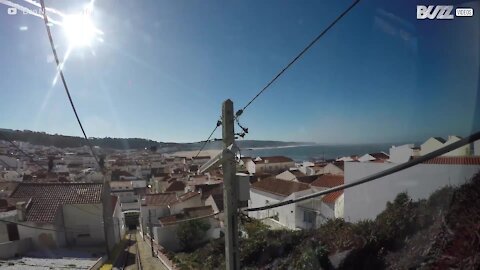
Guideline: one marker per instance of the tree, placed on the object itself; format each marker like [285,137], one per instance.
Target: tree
[192,233]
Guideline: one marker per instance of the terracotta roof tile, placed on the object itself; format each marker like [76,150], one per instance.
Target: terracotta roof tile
[279,187]
[332,197]
[307,179]
[191,212]
[328,181]
[188,196]
[175,186]
[47,198]
[160,199]
[459,160]
[379,155]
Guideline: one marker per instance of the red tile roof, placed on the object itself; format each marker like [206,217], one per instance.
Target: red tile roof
[459,160]
[175,186]
[47,198]
[307,179]
[332,197]
[160,199]
[273,159]
[188,196]
[279,187]
[191,212]
[328,181]
[379,155]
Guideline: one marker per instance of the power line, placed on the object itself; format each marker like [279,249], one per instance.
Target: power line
[471,138]
[239,112]
[191,219]
[23,152]
[60,71]
[219,123]
[65,229]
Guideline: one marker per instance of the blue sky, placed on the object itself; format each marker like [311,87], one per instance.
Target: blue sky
[165,67]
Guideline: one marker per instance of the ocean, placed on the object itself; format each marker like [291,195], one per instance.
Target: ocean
[316,152]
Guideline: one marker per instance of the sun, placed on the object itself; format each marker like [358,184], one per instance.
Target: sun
[79,30]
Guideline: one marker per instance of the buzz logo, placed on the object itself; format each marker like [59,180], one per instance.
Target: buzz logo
[435,12]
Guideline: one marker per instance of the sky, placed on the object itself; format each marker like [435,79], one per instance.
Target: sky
[165,67]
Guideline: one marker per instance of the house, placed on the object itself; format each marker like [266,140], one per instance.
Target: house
[155,206]
[296,175]
[374,157]
[476,148]
[366,201]
[461,151]
[216,202]
[269,164]
[176,186]
[432,144]
[348,158]
[119,227]
[403,153]
[165,232]
[335,168]
[332,203]
[56,215]
[293,216]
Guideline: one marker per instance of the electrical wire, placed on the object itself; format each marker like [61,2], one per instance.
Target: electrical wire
[471,138]
[60,71]
[65,229]
[219,123]
[239,112]
[191,219]
[21,151]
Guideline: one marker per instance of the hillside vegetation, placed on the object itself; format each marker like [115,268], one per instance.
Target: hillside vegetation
[441,232]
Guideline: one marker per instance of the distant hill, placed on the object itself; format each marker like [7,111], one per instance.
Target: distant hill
[62,141]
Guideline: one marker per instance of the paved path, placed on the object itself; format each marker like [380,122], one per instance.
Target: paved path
[148,262]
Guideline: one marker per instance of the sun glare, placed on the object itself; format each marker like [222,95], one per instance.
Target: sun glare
[79,29]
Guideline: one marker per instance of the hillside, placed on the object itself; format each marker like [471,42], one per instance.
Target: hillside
[62,141]
[438,233]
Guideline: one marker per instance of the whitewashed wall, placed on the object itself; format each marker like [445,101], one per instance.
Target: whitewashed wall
[366,201]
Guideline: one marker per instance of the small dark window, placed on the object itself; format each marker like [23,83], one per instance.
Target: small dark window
[309,217]
[12,230]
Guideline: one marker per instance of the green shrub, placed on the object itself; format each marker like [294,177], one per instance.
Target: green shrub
[191,234]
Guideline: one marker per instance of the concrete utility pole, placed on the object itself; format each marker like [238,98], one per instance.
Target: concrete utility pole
[107,216]
[230,190]
[151,231]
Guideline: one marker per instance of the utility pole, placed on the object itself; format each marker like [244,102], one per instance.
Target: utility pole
[151,231]
[107,214]
[230,190]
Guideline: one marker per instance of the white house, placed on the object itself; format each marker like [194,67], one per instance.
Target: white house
[269,164]
[432,144]
[335,168]
[61,214]
[476,147]
[293,216]
[155,206]
[403,153]
[333,203]
[165,231]
[377,157]
[366,201]
[461,151]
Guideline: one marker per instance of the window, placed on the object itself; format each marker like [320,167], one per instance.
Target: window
[309,216]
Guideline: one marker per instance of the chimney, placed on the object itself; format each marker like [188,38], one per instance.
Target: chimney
[21,211]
